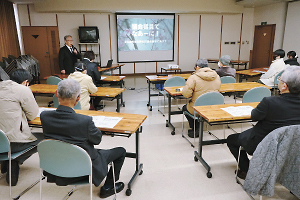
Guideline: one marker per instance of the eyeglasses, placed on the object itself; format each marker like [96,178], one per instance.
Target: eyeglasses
[70,40]
[279,79]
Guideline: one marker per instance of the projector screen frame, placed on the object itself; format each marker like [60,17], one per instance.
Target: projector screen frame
[146,14]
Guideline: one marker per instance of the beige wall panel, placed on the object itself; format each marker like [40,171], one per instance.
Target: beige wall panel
[68,24]
[247,34]
[23,15]
[188,40]
[273,14]
[41,19]
[210,36]
[231,33]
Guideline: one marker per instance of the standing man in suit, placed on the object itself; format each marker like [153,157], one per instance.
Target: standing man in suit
[92,68]
[271,113]
[65,125]
[68,56]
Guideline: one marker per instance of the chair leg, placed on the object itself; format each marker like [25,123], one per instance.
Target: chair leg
[113,169]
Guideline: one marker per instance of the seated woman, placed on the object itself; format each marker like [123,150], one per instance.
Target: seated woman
[224,67]
[203,80]
[86,83]
[277,66]
[292,58]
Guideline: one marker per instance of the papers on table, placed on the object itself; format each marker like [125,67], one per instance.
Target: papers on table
[103,77]
[259,71]
[43,109]
[238,110]
[106,122]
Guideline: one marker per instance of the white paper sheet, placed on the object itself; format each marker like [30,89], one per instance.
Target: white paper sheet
[263,72]
[238,110]
[43,109]
[103,77]
[106,122]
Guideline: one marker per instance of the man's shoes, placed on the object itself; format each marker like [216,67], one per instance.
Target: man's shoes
[4,166]
[241,174]
[106,192]
[14,173]
[191,133]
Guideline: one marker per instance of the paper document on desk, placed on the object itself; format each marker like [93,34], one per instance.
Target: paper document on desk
[106,122]
[44,109]
[238,110]
[263,72]
[103,77]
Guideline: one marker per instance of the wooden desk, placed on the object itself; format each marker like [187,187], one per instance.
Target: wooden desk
[245,74]
[113,67]
[113,93]
[160,80]
[229,87]
[129,124]
[232,62]
[214,115]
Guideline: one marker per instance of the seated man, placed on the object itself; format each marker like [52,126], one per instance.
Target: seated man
[65,125]
[92,68]
[271,113]
[203,80]
[224,68]
[17,107]
[86,83]
[277,66]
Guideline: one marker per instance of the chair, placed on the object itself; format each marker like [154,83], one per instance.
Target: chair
[65,160]
[52,80]
[210,98]
[5,154]
[256,94]
[227,79]
[171,82]
[55,103]
[2,64]
[275,87]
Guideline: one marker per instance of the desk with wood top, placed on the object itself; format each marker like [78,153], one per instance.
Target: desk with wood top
[107,92]
[113,67]
[214,115]
[129,124]
[245,74]
[232,62]
[228,87]
[160,80]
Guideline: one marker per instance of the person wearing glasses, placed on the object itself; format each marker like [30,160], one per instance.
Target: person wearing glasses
[271,113]
[68,56]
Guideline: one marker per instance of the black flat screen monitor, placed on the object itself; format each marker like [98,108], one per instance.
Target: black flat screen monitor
[88,34]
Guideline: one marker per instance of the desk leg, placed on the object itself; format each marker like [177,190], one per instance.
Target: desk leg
[118,103]
[198,155]
[168,122]
[121,86]
[148,104]
[138,165]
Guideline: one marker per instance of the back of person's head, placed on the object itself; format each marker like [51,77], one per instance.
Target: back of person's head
[291,76]
[279,52]
[292,54]
[90,55]
[80,66]
[68,89]
[20,75]
[225,60]
[202,62]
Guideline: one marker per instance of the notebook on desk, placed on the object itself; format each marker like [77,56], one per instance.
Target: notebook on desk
[109,63]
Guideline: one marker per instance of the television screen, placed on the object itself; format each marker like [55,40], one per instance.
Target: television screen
[147,37]
[88,34]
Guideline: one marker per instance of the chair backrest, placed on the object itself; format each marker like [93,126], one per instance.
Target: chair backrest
[210,98]
[227,79]
[63,159]
[2,64]
[256,94]
[276,78]
[53,80]
[56,103]
[174,81]
[4,143]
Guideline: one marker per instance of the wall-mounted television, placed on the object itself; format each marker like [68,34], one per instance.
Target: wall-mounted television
[88,34]
[145,37]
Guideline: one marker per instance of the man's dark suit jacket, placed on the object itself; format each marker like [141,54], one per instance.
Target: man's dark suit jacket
[65,125]
[271,113]
[92,70]
[67,59]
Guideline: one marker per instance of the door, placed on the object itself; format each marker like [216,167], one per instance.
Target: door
[43,44]
[262,54]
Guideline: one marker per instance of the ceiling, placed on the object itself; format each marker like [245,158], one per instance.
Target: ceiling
[245,3]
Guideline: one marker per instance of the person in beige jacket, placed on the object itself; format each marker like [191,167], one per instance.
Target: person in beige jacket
[203,80]
[17,107]
[86,83]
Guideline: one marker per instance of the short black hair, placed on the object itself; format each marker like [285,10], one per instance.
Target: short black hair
[80,66]
[279,52]
[291,53]
[90,55]
[20,75]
